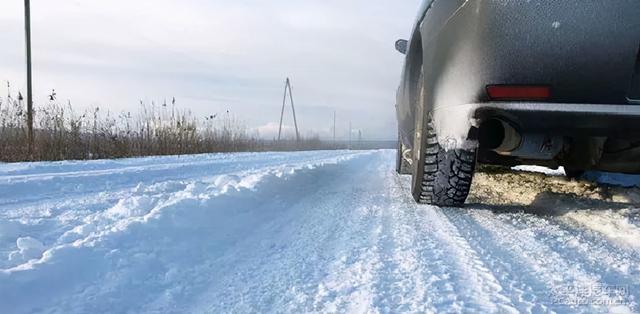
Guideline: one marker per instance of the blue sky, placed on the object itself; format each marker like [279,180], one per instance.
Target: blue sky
[215,56]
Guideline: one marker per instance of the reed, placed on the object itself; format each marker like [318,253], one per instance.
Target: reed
[62,133]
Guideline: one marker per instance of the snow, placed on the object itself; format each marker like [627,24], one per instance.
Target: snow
[27,248]
[618,179]
[540,169]
[329,231]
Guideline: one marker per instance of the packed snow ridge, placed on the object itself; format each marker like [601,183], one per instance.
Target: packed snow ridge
[307,232]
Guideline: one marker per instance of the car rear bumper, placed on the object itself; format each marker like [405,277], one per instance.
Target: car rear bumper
[456,124]
[564,119]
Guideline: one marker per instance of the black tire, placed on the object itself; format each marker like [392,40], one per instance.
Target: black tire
[402,165]
[440,177]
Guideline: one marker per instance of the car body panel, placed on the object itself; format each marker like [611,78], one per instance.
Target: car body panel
[413,62]
[585,50]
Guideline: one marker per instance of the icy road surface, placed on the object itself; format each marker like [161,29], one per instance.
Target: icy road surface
[306,232]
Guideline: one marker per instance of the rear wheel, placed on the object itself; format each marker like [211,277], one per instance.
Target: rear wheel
[402,165]
[439,177]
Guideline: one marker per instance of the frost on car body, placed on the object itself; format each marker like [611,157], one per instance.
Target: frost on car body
[551,83]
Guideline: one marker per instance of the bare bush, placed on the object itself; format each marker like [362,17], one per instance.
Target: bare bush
[60,133]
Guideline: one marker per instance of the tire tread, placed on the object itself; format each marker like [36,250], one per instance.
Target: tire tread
[447,175]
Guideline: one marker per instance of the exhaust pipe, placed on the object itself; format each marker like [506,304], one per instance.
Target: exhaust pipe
[502,138]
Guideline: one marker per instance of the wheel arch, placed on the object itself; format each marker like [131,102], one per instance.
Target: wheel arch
[413,66]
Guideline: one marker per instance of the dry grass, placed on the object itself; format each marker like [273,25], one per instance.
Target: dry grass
[62,133]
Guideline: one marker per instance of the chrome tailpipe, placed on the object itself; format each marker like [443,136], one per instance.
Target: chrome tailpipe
[501,137]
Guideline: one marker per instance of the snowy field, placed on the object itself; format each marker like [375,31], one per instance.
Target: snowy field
[307,232]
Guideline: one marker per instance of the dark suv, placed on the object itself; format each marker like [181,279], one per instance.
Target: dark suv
[544,82]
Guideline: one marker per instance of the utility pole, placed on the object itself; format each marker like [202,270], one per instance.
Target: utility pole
[350,135]
[293,109]
[334,128]
[287,86]
[284,99]
[27,26]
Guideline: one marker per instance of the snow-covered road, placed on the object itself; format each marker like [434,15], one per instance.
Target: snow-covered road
[309,231]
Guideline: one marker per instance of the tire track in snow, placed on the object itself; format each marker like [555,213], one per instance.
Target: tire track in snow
[424,277]
[539,259]
[404,286]
[471,284]
[584,249]
[523,289]
[475,286]
[321,230]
